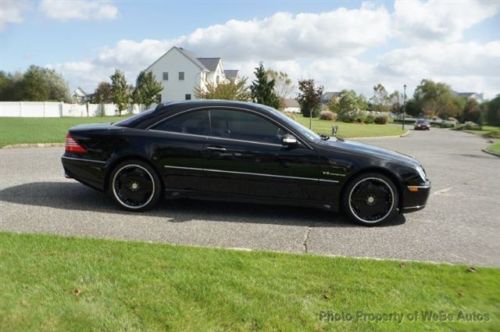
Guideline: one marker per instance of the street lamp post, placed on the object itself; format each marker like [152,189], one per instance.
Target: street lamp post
[404,106]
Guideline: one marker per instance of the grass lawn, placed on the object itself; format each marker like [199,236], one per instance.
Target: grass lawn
[495,147]
[41,130]
[56,283]
[53,130]
[489,132]
[347,130]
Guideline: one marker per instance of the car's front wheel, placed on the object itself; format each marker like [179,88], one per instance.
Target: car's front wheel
[135,186]
[370,199]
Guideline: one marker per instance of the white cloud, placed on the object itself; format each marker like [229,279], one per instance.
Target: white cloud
[438,20]
[464,65]
[283,35]
[64,10]
[11,11]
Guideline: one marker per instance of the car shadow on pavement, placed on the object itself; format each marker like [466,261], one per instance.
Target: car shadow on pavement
[74,196]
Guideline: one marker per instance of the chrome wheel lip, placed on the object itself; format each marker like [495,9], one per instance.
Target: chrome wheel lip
[134,207]
[389,210]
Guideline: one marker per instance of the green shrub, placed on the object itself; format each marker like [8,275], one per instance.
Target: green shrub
[369,119]
[447,124]
[381,119]
[493,134]
[328,115]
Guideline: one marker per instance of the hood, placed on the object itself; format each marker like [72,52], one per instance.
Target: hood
[374,151]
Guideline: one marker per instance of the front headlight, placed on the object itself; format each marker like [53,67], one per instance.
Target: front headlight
[421,172]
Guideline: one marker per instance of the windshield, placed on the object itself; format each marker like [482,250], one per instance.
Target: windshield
[308,133]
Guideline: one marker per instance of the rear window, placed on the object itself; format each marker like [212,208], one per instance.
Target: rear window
[129,122]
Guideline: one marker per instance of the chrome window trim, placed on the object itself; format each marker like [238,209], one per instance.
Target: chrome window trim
[222,138]
[249,173]
[86,160]
[208,108]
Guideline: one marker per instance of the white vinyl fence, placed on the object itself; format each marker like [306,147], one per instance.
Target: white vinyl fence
[56,109]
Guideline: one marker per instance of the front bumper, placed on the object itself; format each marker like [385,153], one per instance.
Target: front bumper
[415,197]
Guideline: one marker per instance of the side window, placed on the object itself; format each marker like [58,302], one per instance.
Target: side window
[195,123]
[165,76]
[181,76]
[244,126]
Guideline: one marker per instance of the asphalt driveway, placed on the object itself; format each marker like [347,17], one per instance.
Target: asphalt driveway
[461,223]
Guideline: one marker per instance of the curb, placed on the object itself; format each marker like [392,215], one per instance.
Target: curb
[33,145]
[377,137]
[492,153]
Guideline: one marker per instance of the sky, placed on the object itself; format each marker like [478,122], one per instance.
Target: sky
[339,44]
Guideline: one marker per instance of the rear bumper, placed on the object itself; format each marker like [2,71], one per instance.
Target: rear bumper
[87,171]
[415,197]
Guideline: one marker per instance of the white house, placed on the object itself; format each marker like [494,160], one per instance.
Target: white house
[181,73]
[479,97]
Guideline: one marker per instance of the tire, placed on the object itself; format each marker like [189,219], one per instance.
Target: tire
[370,199]
[135,186]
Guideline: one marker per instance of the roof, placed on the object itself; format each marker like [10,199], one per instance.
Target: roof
[291,102]
[328,95]
[210,63]
[80,92]
[468,94]
[231,73]
[184,52]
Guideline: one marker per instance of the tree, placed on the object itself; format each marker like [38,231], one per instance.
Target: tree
[380,100]
[350,101]
[493,113]
[35,84]
[103,94]
[42,84]
[262,89]
[395,100]
[412,108]
[119,90]
[283,85]
[309,98]
[472,112]
[228,90]
[434,98]
[146,89]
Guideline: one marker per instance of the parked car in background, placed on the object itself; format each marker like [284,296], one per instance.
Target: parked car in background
[422,124]
[233,151]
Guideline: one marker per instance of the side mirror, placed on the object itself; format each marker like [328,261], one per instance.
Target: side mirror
[289,140]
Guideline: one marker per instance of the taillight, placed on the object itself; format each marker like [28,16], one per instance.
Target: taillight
[73,146]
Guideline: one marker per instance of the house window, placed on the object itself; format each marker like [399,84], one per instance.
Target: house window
[188,96]
[165,76]
[217,79]
[181,76]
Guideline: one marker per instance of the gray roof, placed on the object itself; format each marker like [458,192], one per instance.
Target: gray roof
[328,95]
[190,55]
[291,102]
[231,73]
[210,63]
[187,54]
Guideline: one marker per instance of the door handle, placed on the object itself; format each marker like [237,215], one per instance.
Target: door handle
[216,148]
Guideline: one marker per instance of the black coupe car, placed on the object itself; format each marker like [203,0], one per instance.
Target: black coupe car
[236,151]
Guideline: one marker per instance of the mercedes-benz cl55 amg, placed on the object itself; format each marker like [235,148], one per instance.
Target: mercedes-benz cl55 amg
[235,151]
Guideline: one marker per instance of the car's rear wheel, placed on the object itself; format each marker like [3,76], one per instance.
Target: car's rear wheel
[135,186]
[371,199]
